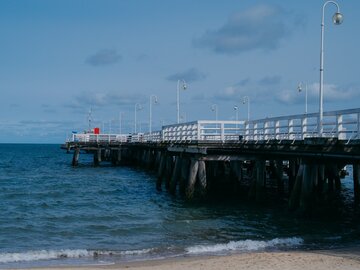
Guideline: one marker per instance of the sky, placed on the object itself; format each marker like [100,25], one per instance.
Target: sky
[61,59]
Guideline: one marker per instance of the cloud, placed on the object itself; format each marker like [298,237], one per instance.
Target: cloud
[256,89]
[190,75]
[270,80]
[103,58]
[332,93]
[260,27]
[85,100]
[244,82]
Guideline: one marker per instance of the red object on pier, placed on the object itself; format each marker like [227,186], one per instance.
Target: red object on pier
[96,130]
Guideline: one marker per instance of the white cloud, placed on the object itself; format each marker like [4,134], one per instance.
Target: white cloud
[103,58]
[261,27]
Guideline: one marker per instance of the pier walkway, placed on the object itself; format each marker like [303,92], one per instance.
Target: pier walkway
[200,157]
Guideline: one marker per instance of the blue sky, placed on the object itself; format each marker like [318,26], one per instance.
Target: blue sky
[58,59]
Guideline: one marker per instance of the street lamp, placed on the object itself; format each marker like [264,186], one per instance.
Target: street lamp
[300,88]
[236,109]
[184,86]
[337,19]
[154,99]
[214,108]
[138,107]
[120,122]
[246,99]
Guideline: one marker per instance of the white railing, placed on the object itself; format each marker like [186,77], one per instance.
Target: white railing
[344,125]
[203,131]
[92,138]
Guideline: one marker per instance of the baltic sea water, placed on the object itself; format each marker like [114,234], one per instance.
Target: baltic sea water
[54,214]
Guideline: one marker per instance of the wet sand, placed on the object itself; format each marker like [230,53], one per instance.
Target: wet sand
[250,261]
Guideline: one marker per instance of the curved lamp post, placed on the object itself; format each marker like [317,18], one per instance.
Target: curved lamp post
[153,99]
[337,19]
[246,99]
[214,108]
[183,86]
[138,107]
[120,122]
[236,109]
[300,89]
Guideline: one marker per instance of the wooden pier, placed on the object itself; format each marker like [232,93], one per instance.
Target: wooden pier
[301,168]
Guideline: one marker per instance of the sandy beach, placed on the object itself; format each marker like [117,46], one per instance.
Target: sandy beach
[250,261]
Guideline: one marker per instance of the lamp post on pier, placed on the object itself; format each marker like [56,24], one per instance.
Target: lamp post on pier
[120,122]
[236,109]
[246,99]
[300,89]
[184,86]
[138,107]
[214,108]
[337,19]
[153,99]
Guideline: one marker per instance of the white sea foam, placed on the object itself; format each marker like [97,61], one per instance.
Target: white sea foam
[65,253]
[245,245]
[43,255]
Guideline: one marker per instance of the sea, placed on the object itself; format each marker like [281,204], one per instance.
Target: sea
[53,214]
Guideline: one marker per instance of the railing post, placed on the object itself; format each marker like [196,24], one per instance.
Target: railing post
[341,135]
[358,126]
[303,127]
[222,136]
[277,134]
[256,131]
[247,131]
[266,130]
[291,129]
[198,128]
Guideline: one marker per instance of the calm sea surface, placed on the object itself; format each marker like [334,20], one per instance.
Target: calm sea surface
[54,214]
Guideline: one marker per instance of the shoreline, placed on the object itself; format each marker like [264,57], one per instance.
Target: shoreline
[317,260]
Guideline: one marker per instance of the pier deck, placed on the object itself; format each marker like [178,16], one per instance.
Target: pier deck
[197,157]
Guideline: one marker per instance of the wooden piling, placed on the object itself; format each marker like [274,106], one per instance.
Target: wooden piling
[292,174]
[296,191]
[279,172]
[194,166]
[260,180]
[202,178]
[97,157]
[119,155]
[75,160]
[185,164]
[356,178]
[257,186]
[160,171]
[307,187]
[176,174]
[168,170]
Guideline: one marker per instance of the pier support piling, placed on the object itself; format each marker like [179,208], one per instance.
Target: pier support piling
[160,171]
[356,178]
[176,174]
[194,166]
[202,178]
[75,160]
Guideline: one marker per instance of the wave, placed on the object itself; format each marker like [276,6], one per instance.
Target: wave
[39,255]
[246,245]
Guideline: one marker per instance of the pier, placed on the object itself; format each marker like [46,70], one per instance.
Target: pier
[285,154]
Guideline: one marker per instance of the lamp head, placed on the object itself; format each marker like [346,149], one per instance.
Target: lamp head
[156,99]
[184,85]
[299,87]
[337,18]
[235,108]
